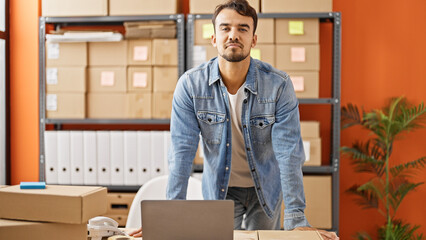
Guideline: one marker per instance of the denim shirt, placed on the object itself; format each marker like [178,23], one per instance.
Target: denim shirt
[271,129]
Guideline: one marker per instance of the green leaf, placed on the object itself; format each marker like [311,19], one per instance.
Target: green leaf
[362,236]
[399,188]
[399,231]
[366,198]
[366,157]
[350,116]
[401,168]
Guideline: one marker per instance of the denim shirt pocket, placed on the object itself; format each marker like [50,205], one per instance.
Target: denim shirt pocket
[211,125]
[261,127]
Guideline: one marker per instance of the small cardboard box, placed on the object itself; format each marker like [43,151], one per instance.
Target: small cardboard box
[61,204]
[74,8]
[139,79]
[66,105]
[150,29]
[108,53]
[13,229]
[298,57]
[203,31]
[292,6]
[66,54]
[139,52]
[310,129]
[147,7]
[66,79]
[265,30]
[300,30]
[208,6]
[165,79]
[119,203]
[272,235]
[245,235]
[162,105]
[264,52]
[107,79]
[306,84]
[202,54]
[312,148]
[165,52]
[121,219]
[106,105]
[138,105]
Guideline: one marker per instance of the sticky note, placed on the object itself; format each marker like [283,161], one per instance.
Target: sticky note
[140,53]
[52,50]
[298,83]
[255,53]
[107,78]
[307,148]
[298,54]
[32,185]
[51,102]
[51,76]
[140,79]
[295,28]
[208,30]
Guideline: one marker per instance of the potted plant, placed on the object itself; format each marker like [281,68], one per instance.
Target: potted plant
[390,183]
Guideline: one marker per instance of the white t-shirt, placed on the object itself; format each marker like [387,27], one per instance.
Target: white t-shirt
[240,171]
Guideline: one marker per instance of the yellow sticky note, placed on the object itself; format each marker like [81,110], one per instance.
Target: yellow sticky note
[208,30]
[295,28]
[255,53]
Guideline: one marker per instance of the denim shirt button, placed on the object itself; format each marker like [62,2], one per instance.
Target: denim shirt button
[253,170]
[248,149]
[223,190]
[244,126]
[227,168]
[227,119]
[245,101]
[227,144]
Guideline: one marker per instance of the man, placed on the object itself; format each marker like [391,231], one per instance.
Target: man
[248,116]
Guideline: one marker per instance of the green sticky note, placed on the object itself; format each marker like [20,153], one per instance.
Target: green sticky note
[208,30]
[255,53]
[295,28]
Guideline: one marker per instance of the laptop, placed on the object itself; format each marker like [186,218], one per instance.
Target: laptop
[187,219]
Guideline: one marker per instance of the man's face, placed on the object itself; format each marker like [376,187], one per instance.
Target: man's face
[233,35]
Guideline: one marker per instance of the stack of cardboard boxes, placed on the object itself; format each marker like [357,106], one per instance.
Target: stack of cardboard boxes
[118,206]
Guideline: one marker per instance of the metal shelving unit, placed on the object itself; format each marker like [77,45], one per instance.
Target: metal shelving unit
[58,22]
[334,102]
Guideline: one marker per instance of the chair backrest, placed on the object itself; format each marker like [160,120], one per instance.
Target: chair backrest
[155,189]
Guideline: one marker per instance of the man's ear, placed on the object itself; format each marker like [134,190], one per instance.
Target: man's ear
[213,40]
[254,41]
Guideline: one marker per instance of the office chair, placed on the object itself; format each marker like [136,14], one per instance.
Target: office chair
[155,189]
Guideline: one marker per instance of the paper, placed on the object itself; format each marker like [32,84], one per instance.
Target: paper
[199,55]
[295,28]
[51,76]
[298,54]
[51,102]
[52,50]
[298,83]
[307,147]
[140,79]
[107,78]
[255,53]
[140,53]
[208,30]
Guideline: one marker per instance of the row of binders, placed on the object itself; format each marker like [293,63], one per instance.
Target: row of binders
[105,157]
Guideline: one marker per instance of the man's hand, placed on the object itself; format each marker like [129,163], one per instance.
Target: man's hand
[136,233]
[324,234]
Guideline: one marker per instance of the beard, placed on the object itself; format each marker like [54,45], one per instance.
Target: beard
[234,56]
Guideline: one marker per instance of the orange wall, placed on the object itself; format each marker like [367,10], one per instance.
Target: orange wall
[383,49]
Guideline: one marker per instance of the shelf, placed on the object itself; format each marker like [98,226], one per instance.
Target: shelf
[324,15]
[109,121]
[306,169]
[111,19]
[318,100]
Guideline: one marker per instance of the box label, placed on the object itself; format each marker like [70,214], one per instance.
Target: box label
[208,30]
[51,102]
[140,53]
[107,78]
[199,56]
[295,28]
[307,148]
[298,54]
[140,79]
[298,83]
[51,76]
[53,50]
[255,53]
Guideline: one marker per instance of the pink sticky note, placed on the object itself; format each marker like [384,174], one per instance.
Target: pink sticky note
[298,83]
[107,78]
[140,53]
[298,54]
[140,79]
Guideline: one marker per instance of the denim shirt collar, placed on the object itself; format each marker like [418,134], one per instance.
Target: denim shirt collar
[251,78]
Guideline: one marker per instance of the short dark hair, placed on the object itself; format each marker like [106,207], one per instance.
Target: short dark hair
[240,6]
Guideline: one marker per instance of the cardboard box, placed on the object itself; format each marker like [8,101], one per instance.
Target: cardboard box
[165,79]
[202,54]
[265,30]
[66,105]
[310,129]
[150,29]
[119,203]
[106,105]
[264,52]
[61,204]
[139,52]
[148,7]
[107,79]
[165,52]
[139,79]
[203,30]
[306,84]
[121,219]
[298,30]
[208,6]
[66,54]
[12,229]
[74,8]
[66,79]
[108,53]
[298,57]
[292,6]
[312,148]
[245,235]
[162,105]
[272,235]
[138,105]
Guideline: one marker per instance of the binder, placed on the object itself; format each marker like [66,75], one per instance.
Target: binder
[167,144]
[103,159]
[90,158]
[144,156]
[130,158]
[76,157]
[51,157]
[117,157]
[64,163]
[157,153]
